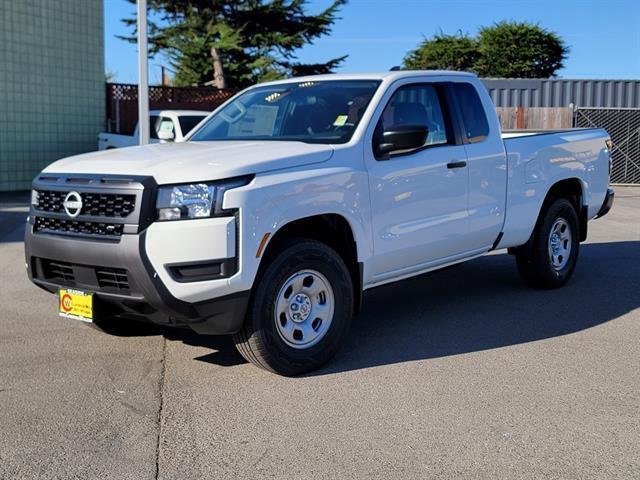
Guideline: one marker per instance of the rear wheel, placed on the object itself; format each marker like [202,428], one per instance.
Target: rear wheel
[551,258]
[300,309]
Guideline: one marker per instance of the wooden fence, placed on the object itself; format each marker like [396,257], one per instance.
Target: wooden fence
[535,118]
[122,102]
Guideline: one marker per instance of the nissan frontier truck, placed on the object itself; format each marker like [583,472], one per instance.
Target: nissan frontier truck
[294,197]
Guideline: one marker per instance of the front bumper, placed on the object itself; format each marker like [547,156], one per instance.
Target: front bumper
[607,204]
[146,296]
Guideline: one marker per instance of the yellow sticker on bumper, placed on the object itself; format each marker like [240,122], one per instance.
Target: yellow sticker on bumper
[75,304]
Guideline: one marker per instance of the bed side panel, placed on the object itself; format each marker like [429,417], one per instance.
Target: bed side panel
[537,162]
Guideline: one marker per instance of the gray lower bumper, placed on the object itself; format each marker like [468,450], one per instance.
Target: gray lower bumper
[147,297]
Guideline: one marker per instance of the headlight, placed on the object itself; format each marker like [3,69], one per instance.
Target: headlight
[195,200]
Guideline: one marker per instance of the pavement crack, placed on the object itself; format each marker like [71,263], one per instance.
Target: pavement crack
[163,367]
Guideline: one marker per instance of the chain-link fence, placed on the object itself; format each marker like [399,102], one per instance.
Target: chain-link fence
[623,124]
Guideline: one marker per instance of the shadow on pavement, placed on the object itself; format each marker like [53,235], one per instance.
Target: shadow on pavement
[483,304]
[475,306]
[224,352]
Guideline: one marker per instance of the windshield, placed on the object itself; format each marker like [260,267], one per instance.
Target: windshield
[312,112]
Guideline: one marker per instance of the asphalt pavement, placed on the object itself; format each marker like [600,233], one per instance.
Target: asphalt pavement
[463,373]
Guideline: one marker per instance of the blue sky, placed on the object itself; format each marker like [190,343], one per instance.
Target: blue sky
[604,36]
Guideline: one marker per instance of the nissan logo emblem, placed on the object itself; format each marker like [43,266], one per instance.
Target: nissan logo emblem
[72,204]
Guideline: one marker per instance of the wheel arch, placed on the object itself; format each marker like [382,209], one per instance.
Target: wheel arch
[570,189]
[332,229]
[573,190]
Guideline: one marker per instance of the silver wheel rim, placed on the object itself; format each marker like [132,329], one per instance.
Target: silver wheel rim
[560,244]
[304,309]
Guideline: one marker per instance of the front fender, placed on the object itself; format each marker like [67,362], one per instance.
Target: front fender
[272,201]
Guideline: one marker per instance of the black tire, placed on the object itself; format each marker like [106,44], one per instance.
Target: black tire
[534,261]
[260,342]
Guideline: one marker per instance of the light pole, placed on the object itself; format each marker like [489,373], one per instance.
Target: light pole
[143,75]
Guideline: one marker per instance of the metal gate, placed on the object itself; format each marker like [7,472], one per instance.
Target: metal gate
[623,125]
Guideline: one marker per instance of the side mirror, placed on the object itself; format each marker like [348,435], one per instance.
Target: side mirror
[401,137]
[166,135]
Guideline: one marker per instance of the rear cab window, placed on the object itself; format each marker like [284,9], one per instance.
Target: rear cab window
[474,119]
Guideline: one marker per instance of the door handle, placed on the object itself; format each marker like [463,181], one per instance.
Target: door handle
[460,164]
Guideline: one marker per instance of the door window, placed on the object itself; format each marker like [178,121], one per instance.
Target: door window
[417,105]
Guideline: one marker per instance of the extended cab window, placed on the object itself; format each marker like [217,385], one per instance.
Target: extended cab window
[476,127]
[312,112]
[416,105]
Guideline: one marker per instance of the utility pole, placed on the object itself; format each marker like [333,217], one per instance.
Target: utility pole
[143,74]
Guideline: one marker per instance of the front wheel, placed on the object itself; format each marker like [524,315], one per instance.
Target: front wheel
[552,256]
[300,309]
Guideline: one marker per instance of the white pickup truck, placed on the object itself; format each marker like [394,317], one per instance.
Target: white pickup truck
[295,196]
[165,126]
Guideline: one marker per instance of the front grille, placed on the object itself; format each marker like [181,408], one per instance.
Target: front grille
[45,224]
[61,271]
[114,205]
[111,206]
[97,278]
[112,278]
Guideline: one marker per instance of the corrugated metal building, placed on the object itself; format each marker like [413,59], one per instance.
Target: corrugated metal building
[522,92]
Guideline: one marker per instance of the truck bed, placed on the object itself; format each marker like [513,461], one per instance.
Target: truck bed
[537,160]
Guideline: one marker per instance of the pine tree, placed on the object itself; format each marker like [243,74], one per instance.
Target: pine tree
[236,43]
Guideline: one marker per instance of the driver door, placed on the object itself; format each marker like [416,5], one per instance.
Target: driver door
[419,198]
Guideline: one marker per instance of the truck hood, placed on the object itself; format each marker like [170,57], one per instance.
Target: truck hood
[195,161]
